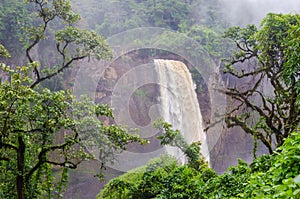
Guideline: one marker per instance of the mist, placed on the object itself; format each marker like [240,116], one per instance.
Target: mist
[243,12]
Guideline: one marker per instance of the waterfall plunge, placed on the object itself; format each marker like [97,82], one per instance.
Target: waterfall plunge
[180,105]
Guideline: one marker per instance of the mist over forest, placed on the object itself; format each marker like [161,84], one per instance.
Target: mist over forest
[241,13]
[139,99]
[235,13]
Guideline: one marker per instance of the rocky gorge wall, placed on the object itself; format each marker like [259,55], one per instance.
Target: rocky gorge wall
[129,84]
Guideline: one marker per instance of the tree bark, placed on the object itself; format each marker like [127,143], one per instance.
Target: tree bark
[20,166]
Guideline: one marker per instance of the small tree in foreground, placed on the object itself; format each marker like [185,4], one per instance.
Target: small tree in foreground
[42,132]
[171,137]
[266,65]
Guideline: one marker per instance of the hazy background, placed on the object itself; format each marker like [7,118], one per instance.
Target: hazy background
[243,12]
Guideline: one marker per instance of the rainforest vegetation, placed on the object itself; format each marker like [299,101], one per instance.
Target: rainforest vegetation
[42,123]
[40,129]
[269,176]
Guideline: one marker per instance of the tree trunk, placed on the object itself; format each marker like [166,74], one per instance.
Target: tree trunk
[20,166]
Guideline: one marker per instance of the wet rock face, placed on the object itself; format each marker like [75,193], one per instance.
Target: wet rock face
[146,95]
[125,77]
[234,143]
[110,74]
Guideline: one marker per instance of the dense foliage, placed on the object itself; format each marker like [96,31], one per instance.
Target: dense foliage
[269,176]
[200,20]
[114,16]
[44,133]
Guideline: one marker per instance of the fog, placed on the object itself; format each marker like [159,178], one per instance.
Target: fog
[243,12]
[236,12]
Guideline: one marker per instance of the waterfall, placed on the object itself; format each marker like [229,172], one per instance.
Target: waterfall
[179,103]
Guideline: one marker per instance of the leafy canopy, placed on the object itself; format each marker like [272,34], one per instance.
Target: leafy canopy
[44,133]
[267,100]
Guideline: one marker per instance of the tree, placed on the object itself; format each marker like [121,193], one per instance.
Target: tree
[72,44]
[45,133]
[174,138]
[266,66]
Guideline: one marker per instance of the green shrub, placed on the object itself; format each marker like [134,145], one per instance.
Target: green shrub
[269,176]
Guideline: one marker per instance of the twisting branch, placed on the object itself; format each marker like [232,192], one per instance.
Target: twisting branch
[39,36]
[66,164]
[279,113]
[67,65]
[235,121]
[42,155]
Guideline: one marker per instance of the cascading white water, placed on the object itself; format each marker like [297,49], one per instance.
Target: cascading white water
[179,103]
